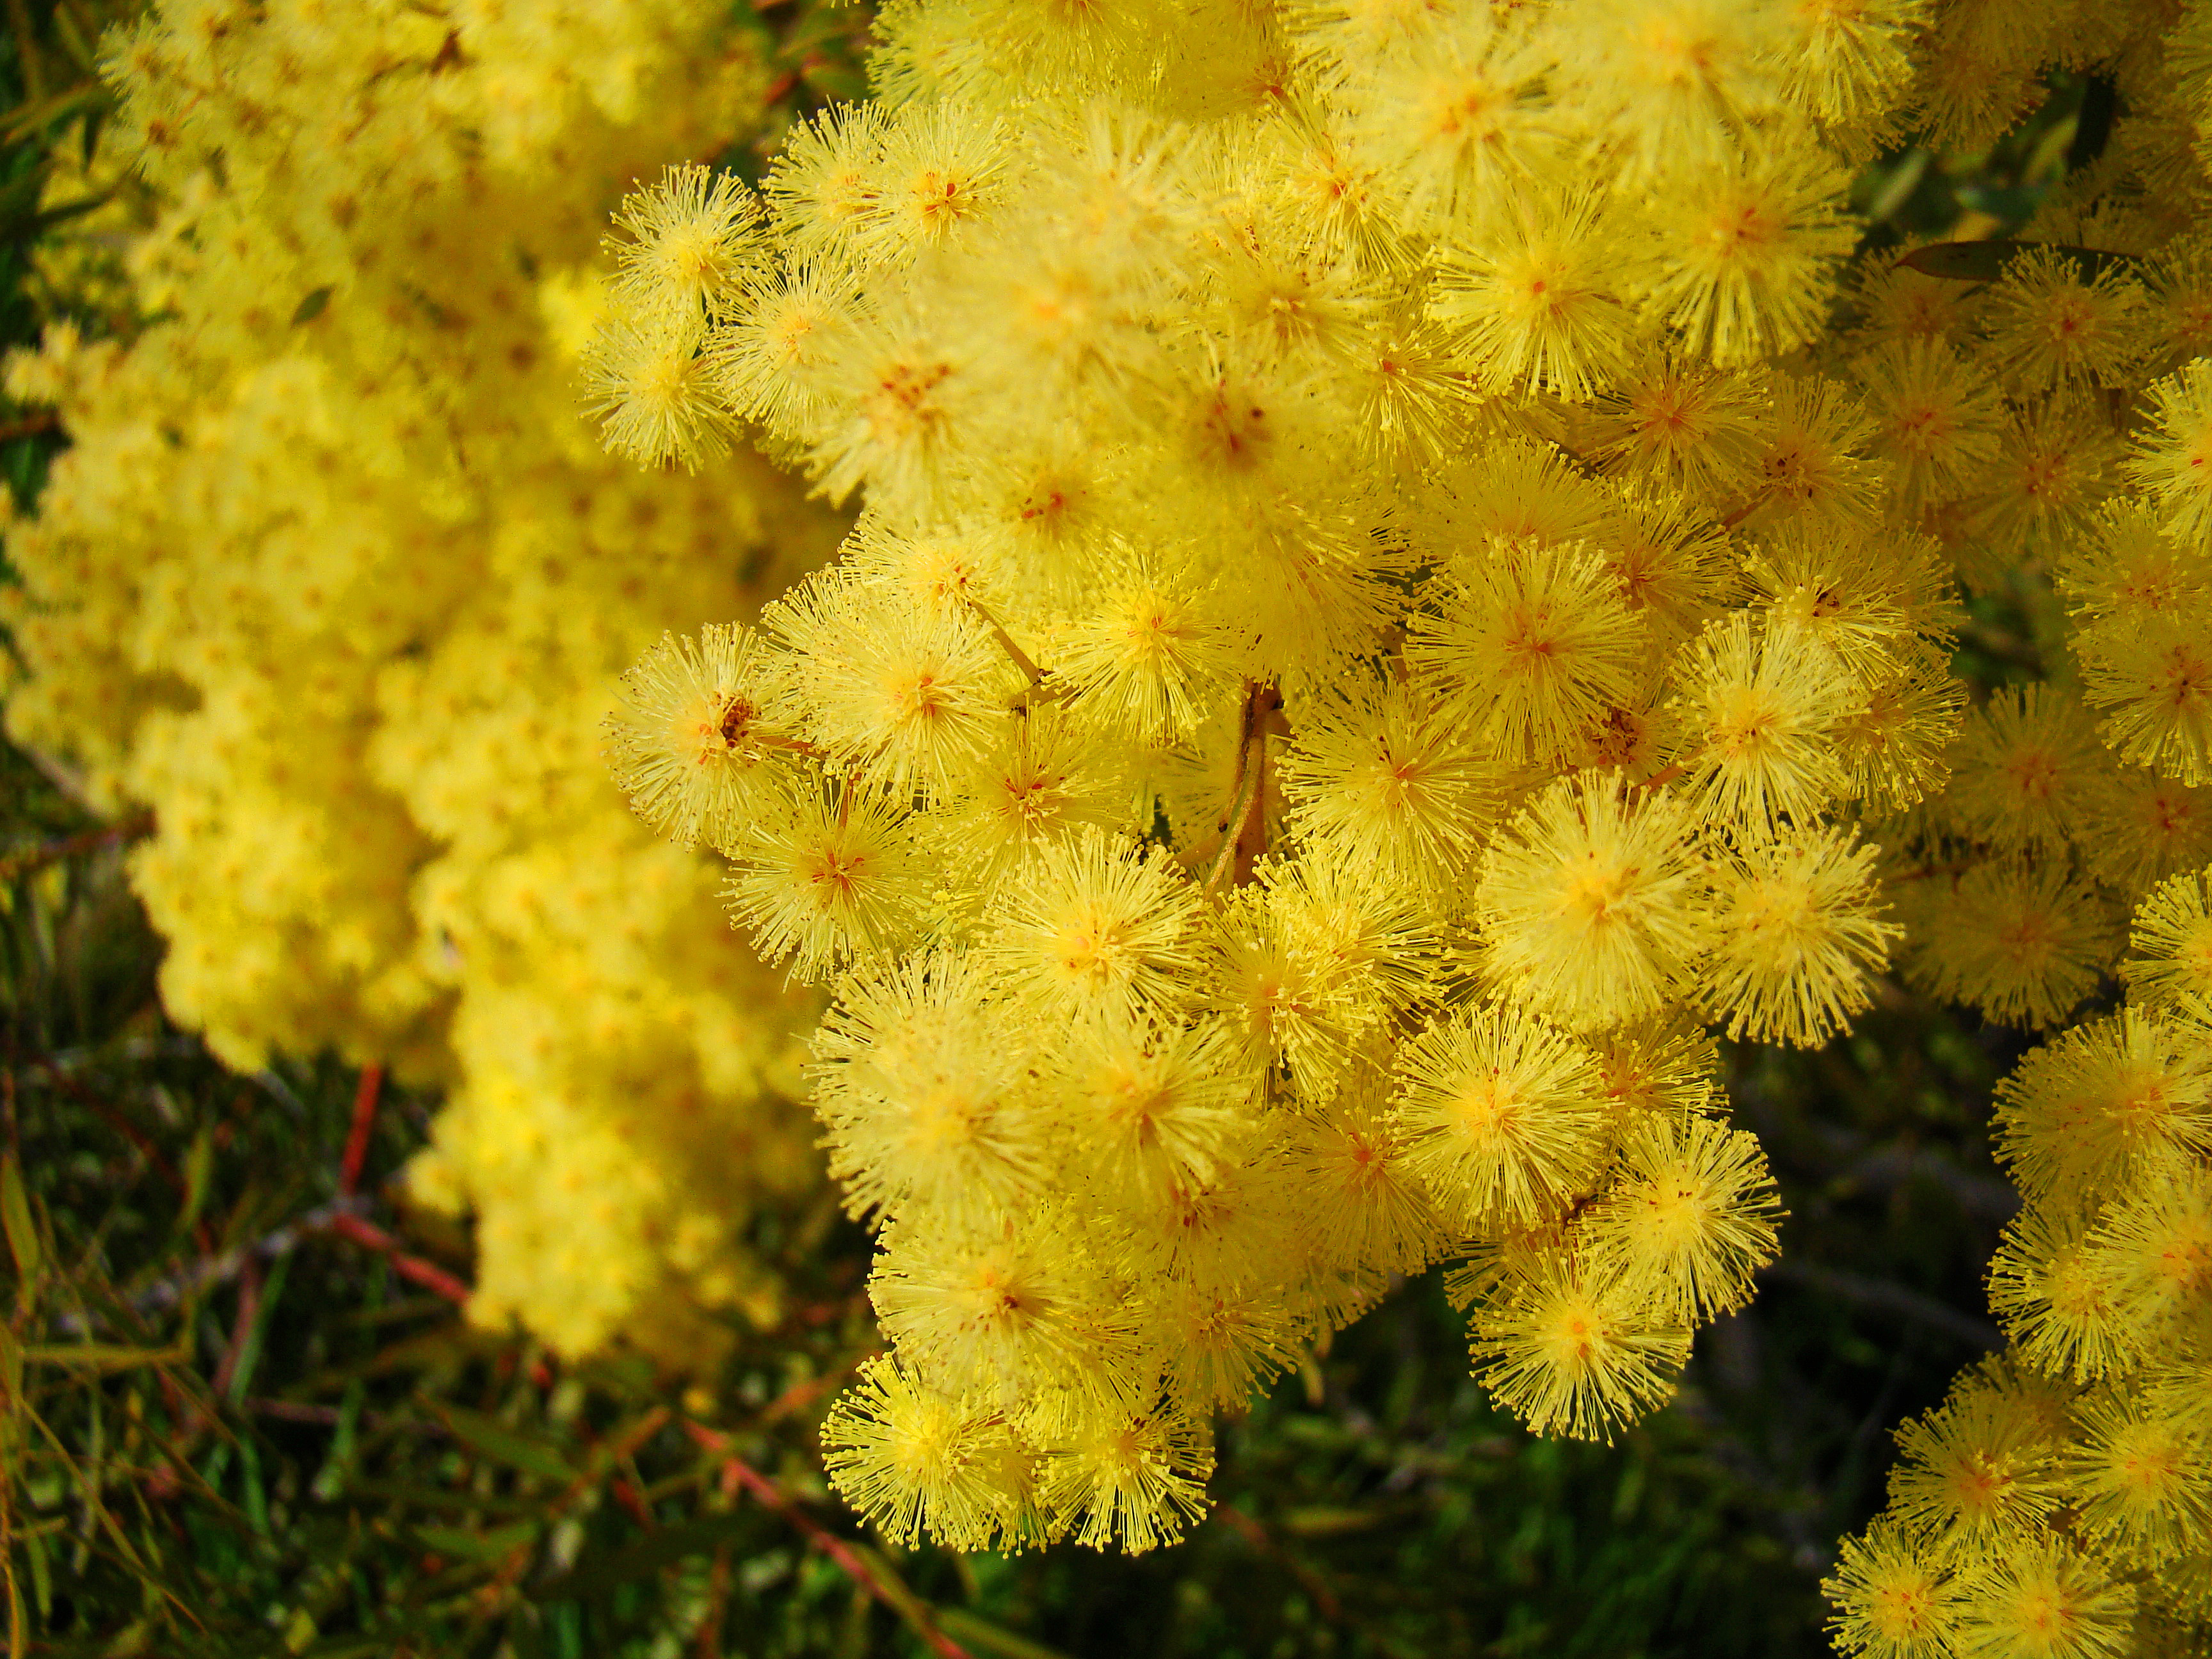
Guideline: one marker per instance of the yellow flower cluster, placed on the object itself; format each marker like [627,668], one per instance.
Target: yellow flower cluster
[334,578]
[2059,1501]
[2046,417]
[1382,606]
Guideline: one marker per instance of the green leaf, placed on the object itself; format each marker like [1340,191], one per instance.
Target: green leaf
[501,1444]
[1324,1521]
[42,1583]
[467,1546]
[981,1634]
[257,1334]
[252,1486]
[331,1479]
[20,195]
[199,1169]
[437,1497]
[80,49]
[29,227]
[312,307]
[22,1231]
[22,123]
[593,1575]
[102,1356]
[918,1614]
[1985,262]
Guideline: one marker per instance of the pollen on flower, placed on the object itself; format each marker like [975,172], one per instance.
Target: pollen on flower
[1760,712]
[1797,934]
[1742,264]
[1569,1353]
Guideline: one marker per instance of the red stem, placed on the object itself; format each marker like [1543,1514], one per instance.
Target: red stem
[249,1303]
[30,426]
[627,1496]
[1256,1535]
[108,1114]
[85,841]
[736,1472]
[364,1119]
[431,1278]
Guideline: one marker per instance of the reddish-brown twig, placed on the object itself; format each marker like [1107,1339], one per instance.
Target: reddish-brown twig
[605,1458]
[737,1473]
[241,1329]
[1022,659]
[627,1495]
[30,426]
[429,1276]
[68,846]
[800,1396]
[364,1119]
[1929,872]
[1325,1599]
[106,1114]
[709,1639]
[1243,825]
[1757,500]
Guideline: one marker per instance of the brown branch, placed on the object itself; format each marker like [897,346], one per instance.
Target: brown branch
[339,1217]
[709,1642]
[1234,826]
[30,426]
[212,1270]
[1252,828]
[1030,672]
[294,1411]
[1255,1534]
[1926,871]
[605,1460]
[85,841]
[364,1118]
[1887,1297]
[790,745]
[31,67]
[800,1396]
[737,1473]
[627,1495]
[1757,500]
[1243,826]
[428,1275]
[241,1328]
[110,1116]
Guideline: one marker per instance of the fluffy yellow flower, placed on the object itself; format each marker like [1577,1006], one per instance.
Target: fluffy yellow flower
[1503,1116]
[377,596]
[1587,904]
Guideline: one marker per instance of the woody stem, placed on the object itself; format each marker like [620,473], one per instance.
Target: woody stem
[1246,810]
[1029,670]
